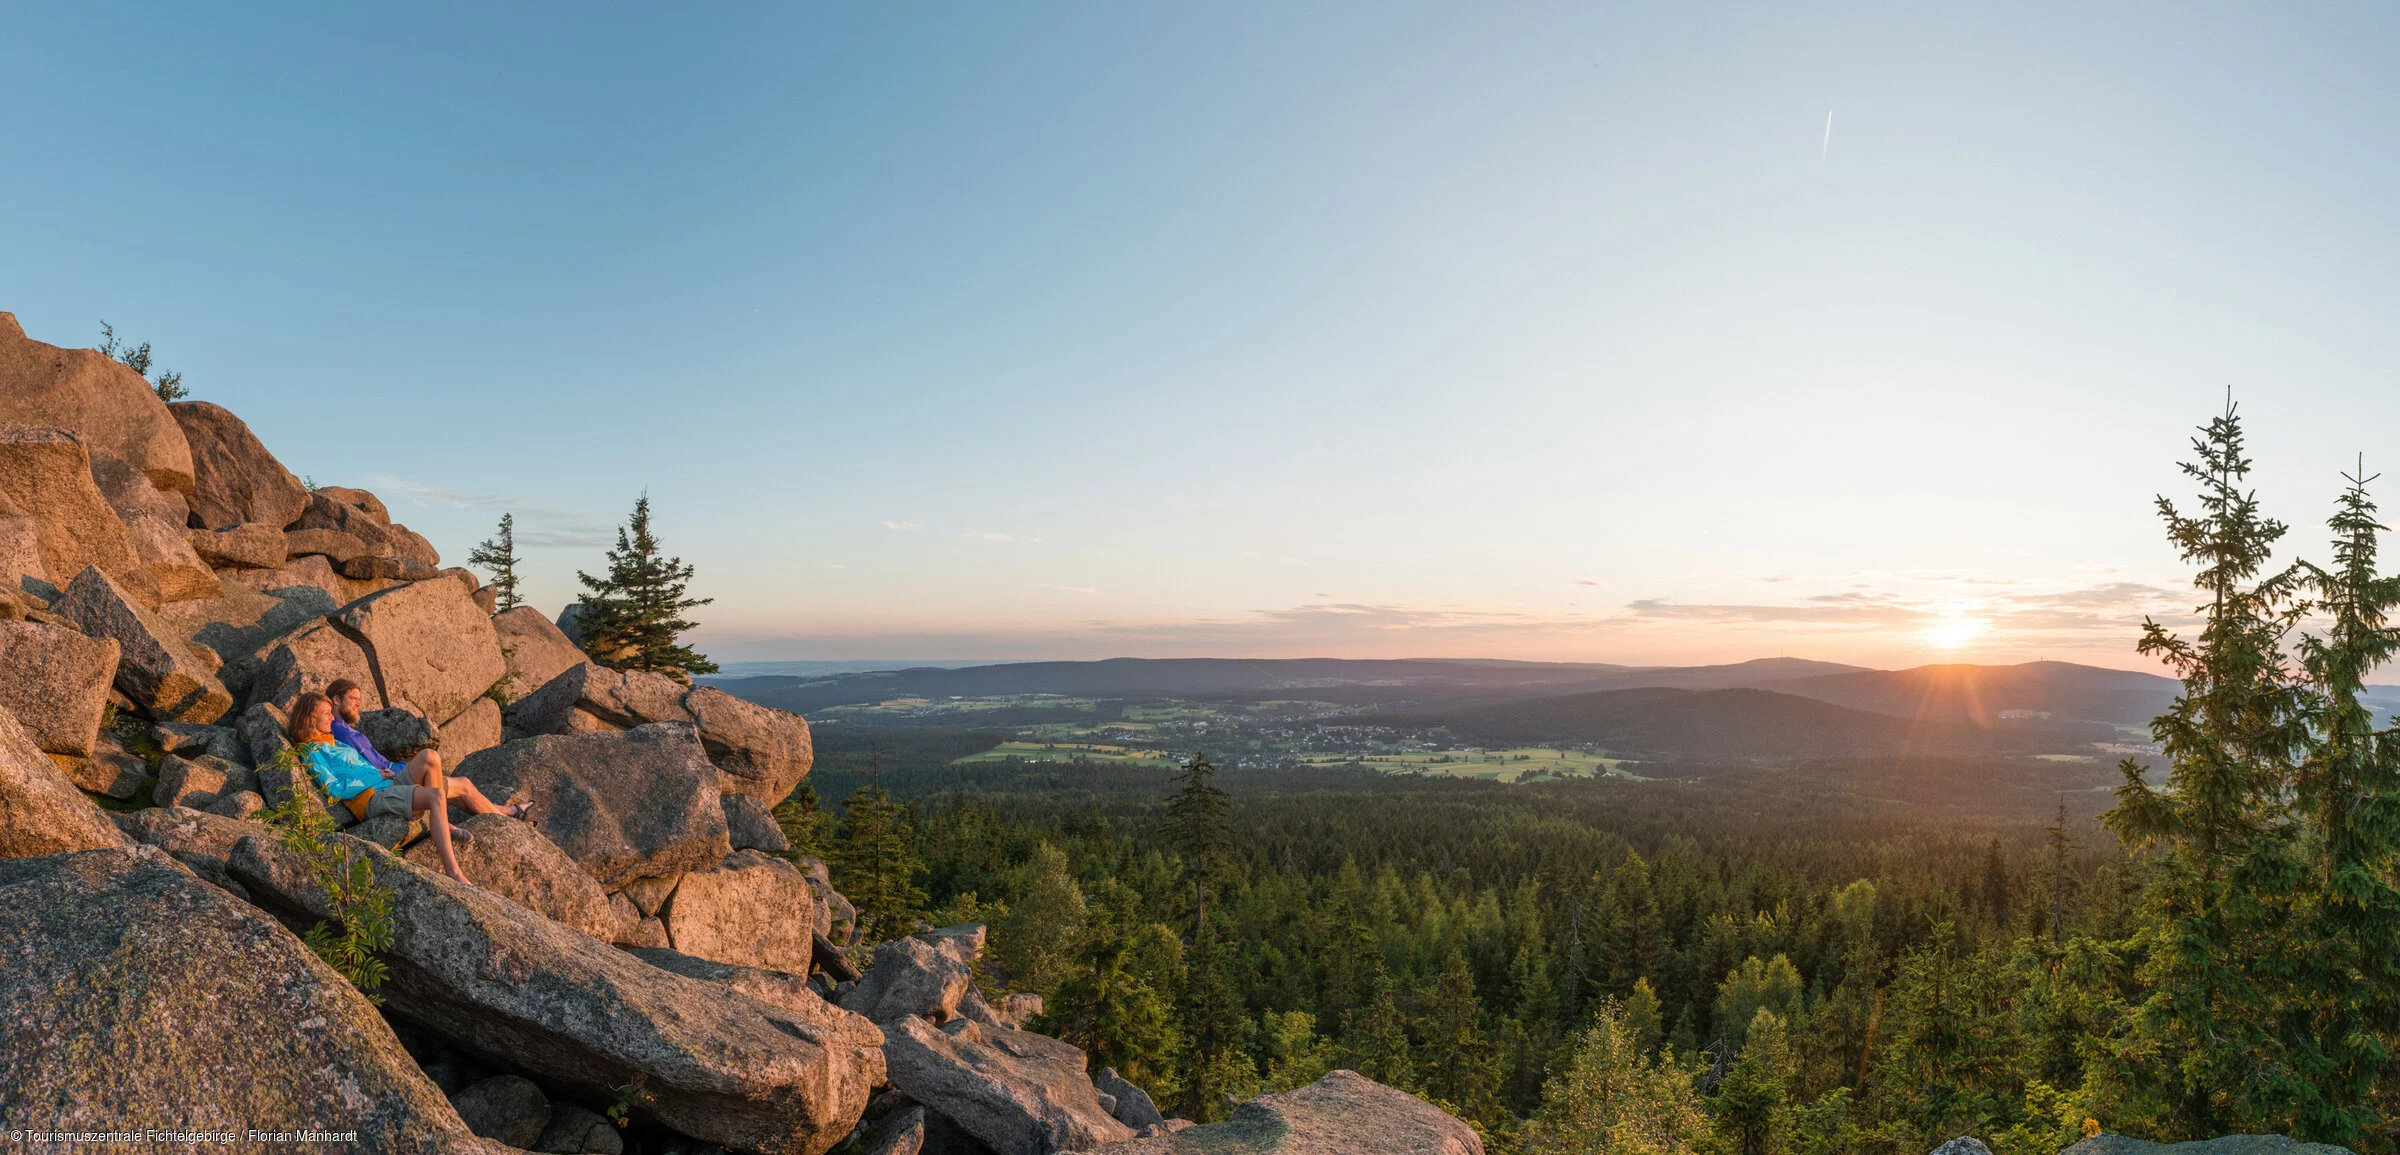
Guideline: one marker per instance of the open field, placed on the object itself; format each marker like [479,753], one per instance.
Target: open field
[1493,765]
[1070,752]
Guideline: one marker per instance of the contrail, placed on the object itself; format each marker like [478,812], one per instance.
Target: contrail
[1827,147]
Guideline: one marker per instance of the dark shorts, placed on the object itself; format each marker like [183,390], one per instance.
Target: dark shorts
[395,798]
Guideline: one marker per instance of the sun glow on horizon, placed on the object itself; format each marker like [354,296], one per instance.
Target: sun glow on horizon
[1954,630]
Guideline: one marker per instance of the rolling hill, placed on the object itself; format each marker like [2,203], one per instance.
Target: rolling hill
[1984,693]
[1749,723]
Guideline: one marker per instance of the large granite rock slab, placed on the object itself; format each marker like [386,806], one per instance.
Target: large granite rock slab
[200,782]
[154,666]
[760,752]
[535,649]
[510,858]
[1020,1093]
[910,976]
[46,475]
[262,730]
[1344,1113]
[201,841]
[20,550]
[235,479]
[133,495]
[752,826]
[514,988]
[165,550]
[433,651]
[361,500]
[108,770]
[105,403]
[304,571]
[310,659]
[506,1109]
[56,680]
[774,988]
[476,729]
[373,529]
[837,919]
[751,910]
[239,624]
[250,545]
[639,804]
[397,733]
[131,986]
[1134,1107]
[41,812]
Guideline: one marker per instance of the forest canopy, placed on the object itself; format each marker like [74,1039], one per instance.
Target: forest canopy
[1817,956]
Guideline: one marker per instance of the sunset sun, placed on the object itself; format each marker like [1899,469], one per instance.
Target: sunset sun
[1954,630]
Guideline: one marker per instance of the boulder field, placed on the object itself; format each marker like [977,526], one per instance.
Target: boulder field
[643,958]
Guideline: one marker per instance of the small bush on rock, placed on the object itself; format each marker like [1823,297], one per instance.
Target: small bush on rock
[168,383]
[361,906]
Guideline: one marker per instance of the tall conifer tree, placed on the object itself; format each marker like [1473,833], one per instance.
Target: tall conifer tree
[2349,789]
[633,615]
[2209,1049]
[498,554]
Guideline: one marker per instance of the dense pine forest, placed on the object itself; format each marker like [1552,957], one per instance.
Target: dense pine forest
[1867,955]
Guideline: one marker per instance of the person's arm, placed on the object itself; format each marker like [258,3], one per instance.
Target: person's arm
[344,733]
[339,771]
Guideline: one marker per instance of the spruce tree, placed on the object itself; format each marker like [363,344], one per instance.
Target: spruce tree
[2208,1052]
[875,863]
[803,821]
[2061,842]
[1374,1039]
[1214,1023]
[1196,820]
[2349,789]
[498,555]
[1456,1063]
[1112,1011]
[633,615]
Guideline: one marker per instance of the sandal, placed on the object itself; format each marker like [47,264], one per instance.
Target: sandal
[521,811]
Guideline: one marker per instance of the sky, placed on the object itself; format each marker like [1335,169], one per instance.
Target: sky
[1566,332]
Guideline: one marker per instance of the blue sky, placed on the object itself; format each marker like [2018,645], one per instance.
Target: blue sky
[1365,329]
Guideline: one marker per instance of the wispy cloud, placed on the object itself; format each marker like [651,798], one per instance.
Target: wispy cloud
[538,525]
[902,525]
[1590,582]
[2089,613]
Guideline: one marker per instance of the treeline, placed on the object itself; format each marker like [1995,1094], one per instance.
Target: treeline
[1456,937]
[1746,962]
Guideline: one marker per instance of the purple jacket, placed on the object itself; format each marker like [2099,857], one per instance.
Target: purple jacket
[343,734]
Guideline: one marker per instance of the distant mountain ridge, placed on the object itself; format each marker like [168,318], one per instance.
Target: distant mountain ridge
[1751,723]
[1171,677]
[1984,693]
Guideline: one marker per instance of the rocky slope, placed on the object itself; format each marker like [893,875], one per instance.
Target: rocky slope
[645,944]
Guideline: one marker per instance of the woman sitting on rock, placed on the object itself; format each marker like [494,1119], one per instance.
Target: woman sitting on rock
[419,787]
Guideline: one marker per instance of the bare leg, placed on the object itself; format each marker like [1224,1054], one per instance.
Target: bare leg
[428,800]
[465,794]
[426,770]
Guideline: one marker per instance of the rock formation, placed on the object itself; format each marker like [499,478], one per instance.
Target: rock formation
[644,942]
[131,985]
[1344,1113]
